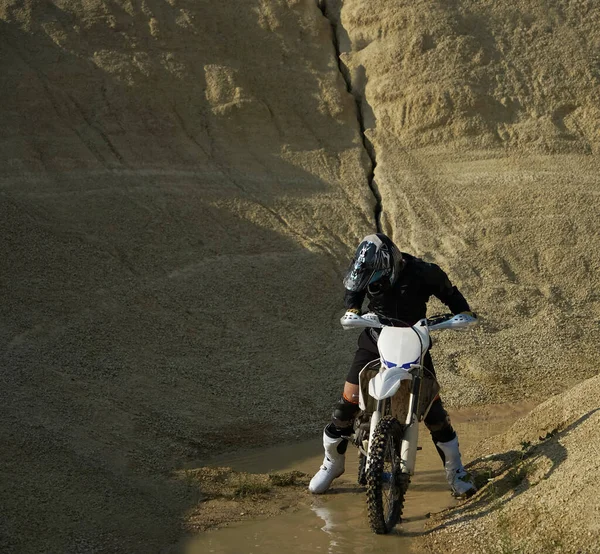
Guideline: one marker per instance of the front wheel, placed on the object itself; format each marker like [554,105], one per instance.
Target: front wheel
[386,484]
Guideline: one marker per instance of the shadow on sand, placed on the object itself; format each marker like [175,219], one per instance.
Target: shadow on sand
[508,472]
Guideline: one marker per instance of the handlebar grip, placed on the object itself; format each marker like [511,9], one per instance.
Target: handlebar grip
[440,318]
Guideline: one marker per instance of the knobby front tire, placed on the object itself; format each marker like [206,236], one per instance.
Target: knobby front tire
[386,485]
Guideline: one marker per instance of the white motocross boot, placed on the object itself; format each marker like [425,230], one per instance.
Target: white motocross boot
[457,476]
[333,465]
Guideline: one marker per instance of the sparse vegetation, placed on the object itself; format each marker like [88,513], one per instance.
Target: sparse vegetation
[250,486]
[288,479]
[515,469]
[548,435]
[482,478]
[519,473]
[506,541]
[510,542]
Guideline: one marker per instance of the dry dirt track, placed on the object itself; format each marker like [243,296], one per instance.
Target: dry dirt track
[181,184]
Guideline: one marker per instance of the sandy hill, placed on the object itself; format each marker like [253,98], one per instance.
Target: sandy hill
[541,494]
[485,121]
[182,182]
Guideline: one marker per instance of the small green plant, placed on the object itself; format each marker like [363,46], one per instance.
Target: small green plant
[519,473]
[482,478]
[287,479]
[551,540]
[548,435]
[506,543]
[250,487]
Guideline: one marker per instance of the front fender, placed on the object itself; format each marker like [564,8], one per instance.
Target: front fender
[387,383]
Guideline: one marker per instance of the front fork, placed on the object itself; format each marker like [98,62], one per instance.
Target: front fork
[408,449]
[375,418]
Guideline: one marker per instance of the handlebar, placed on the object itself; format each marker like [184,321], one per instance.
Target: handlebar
[351,320]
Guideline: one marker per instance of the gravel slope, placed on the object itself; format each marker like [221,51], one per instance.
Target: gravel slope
[484,122]
[182,183]
[542,493]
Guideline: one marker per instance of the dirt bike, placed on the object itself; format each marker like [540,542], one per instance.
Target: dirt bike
[396,392]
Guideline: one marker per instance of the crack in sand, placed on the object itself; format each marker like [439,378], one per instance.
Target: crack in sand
[361,106]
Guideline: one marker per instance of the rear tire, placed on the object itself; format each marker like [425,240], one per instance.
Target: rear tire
[386,484]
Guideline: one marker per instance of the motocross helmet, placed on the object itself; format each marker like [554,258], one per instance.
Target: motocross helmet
[376,265]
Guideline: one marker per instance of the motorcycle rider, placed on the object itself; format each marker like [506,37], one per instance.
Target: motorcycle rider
[397,286]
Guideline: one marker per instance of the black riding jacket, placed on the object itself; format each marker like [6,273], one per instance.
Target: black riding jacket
[407,299]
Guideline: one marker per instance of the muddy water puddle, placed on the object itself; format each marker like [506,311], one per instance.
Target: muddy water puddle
[336,522]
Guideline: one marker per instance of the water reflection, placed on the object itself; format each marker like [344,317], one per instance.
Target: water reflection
[327,516]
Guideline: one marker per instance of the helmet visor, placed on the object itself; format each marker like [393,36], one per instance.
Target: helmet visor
[363,269]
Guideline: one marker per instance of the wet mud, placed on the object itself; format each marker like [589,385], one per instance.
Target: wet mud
[336,522]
